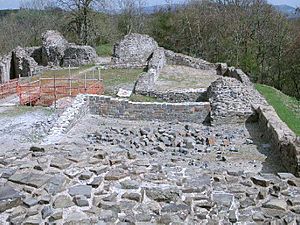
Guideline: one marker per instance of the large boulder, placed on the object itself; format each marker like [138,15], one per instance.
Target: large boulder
[76,55]
[134,48]
[23,64]
[54,46]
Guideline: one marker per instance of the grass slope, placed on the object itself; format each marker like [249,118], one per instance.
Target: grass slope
[287,108]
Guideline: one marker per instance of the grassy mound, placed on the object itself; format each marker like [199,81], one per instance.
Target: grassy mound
[288,108]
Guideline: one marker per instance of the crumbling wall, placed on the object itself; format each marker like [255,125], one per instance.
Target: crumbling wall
[67,120]
[230,101]
[283,140]
[5,68]
[35,53]
[56,51]
[147,80]
[185,60]
[134,48]
[53,48]
[196,112]
[183,95]
[75,55]
[23,64]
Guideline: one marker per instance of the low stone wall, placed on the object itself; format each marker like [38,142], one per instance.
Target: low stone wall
[67,120]
[124,109]
[184,60]
[283,140]
[5,67]
[184,95]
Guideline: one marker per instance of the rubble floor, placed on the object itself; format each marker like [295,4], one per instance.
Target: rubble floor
[175,77]
[111,171]
[22,126]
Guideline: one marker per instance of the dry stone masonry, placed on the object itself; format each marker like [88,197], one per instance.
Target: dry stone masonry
[111,161]
[53,48]
[22,62]
[54,52]
[147,80]
[230,101]
[67,120]
[184,60]
[5,68]
[196,112]
[134,48]
[182,95]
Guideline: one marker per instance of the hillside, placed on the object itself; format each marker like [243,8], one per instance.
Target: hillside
[7,12]
[287,108]
[287,10]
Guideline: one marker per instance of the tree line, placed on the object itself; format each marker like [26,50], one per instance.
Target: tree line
[249,34]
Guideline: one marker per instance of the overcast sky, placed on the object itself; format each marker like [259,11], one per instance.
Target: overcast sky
[13,4]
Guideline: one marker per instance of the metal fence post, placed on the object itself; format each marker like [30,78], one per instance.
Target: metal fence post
[70,81]
[54,91]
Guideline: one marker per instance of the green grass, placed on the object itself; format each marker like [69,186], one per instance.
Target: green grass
[115,77]
[142,98]
[104,50]
[288,108]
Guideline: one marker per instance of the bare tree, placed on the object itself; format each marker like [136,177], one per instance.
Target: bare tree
[132,18]
[81,14]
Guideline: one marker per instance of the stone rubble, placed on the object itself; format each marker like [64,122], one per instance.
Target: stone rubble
[147,175]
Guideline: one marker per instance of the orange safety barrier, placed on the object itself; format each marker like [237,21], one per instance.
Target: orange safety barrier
[8,88]
[47,91]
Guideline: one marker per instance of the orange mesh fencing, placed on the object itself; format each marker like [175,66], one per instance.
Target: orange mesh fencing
[8,88]
[47,91]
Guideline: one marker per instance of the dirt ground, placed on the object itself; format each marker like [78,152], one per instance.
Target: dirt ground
[21,127]
[182,77]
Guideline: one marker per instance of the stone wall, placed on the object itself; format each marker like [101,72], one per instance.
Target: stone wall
[5,67]
[230,101]
[134,48]
[57,51]
[76,55]
[67,120]
[184,60]
[54,52]
[124,109]
[146,81]
[282,138]
[23,64]
[184,95]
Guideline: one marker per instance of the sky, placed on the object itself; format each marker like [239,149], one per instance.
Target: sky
[13,4]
